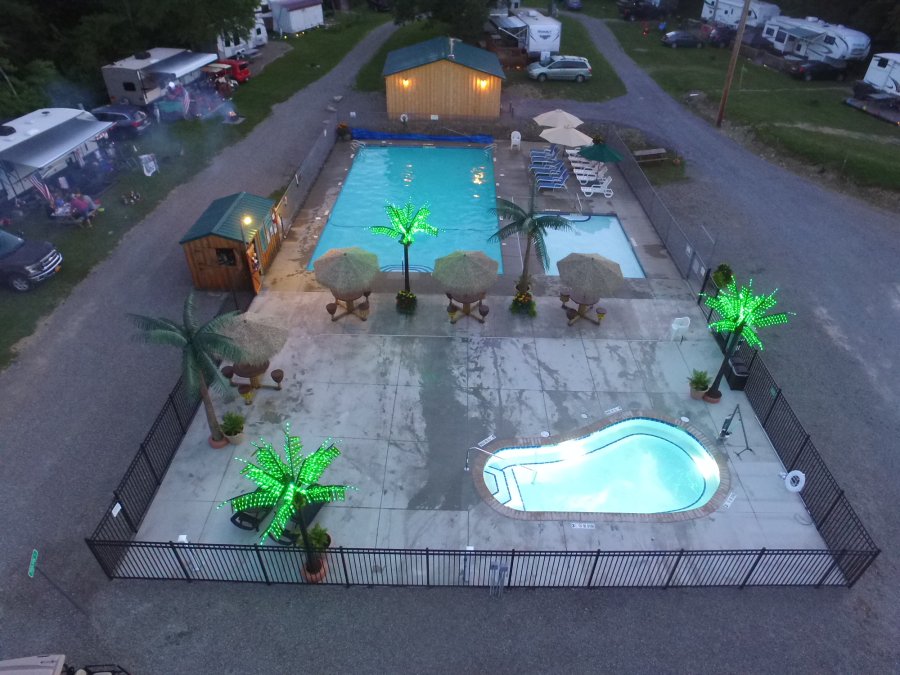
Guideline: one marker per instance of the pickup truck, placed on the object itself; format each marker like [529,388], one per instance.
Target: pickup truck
[26,263]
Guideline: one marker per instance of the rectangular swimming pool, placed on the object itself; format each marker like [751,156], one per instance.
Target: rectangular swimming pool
[594,234]
[456,183]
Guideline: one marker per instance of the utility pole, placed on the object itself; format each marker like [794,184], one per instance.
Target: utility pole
[731,65]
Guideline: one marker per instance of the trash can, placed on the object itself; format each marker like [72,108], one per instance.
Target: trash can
[737,373]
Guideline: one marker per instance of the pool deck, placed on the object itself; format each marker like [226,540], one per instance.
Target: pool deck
[408,395]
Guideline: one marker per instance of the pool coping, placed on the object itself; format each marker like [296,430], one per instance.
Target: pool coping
[715,502]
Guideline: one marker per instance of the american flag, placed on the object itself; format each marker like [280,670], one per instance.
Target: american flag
[41,187]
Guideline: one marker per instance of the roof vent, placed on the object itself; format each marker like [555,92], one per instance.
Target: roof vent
[142,55]
[6,130]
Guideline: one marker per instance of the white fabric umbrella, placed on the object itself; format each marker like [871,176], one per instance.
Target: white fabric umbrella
[558,118]
[567,136]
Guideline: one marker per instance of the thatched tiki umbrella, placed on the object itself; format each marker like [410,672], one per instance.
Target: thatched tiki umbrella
[258,339]
[590,276]
[347,272]
[465,277]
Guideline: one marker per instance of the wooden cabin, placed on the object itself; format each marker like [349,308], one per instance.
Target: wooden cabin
[233,243]
[443,77]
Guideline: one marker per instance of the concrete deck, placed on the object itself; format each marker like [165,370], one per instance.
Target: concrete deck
[407,396]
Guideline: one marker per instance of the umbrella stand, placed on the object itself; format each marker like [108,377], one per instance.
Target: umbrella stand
[573,314]
[456,312]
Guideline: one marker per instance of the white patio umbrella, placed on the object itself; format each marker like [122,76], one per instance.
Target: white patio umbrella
[567,136]
[558,118]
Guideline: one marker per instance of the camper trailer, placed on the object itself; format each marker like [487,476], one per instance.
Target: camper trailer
[728,12]
[230,45]
[542,34]
[815,40]
[141,79]
[883,75]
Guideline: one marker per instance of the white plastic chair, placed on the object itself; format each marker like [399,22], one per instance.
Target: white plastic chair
[515,140]
[679,327]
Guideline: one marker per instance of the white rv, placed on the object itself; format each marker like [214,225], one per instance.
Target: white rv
[543,32]
[815,40]
[883,74]
[141,79]
[728,12]
[229,45]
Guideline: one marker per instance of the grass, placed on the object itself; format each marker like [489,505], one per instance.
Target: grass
[183,149]
[806,120]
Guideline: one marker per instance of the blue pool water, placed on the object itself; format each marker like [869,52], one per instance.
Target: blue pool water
[457,184]
[594,234]
[638,465]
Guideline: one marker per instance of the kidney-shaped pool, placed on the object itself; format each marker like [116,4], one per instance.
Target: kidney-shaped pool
[634,464]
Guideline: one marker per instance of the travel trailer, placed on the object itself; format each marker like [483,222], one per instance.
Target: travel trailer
[728,12]
[141,79]
[530,30]
[815,40]
[883,75]
[229,45]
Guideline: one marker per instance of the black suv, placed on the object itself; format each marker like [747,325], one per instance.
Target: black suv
[632,10]
[26,263]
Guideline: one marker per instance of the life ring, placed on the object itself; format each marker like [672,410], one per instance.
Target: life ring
[795,480]
[404,118]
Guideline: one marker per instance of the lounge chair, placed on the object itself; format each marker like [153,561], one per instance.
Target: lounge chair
[558,183]
[599,188]
[551,151]
[250,519]
[549,171]
[588,177]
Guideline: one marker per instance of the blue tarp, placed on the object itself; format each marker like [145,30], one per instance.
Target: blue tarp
[369,135]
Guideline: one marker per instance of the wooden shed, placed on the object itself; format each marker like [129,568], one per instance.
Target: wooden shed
[443,76]
[233,243]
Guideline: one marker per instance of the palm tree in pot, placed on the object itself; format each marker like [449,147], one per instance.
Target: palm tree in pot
[287,484]
[533,226]
[742,314]
[201,347]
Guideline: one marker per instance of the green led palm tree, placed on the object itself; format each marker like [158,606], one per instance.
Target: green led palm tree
[742,314]
[288,484]
[533,227]
[201,346]
[406,221]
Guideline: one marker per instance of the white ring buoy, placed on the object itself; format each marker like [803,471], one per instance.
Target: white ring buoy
[795,480]
[404,118]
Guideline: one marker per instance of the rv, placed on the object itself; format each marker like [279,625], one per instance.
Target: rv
[141,79]
[728,12]
[543,33]
[815,40]
[883,76]
[230,44]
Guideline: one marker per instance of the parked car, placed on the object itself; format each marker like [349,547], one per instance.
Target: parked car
[573,4]
[681,38]
[720,36]
[26,263]
[817,70]
[575,68]
[240,69]
[130,120]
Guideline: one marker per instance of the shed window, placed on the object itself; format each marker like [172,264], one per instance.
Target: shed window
[882,63]
[225,257]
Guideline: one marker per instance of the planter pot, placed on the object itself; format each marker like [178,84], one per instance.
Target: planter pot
[315,577]
[697,394]
[237,439]
[218,445]
[712,396]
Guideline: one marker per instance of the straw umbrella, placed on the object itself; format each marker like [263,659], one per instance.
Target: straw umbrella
[259,339]
[558,118]
[465,276]
[590,276]
[568,136]
[347,272]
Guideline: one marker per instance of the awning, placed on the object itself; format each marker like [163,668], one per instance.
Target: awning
[802,33]
[48,146]
[181,64]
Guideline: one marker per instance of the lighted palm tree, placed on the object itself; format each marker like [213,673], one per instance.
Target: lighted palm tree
[406,221]
[288,484]
[533,227]
[201,346]
[742,314]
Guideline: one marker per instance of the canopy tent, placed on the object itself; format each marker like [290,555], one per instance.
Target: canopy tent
[41,138]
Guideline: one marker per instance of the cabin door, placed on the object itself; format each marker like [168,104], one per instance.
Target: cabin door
[254,267]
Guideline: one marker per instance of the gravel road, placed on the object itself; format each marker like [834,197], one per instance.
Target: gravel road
[80,396]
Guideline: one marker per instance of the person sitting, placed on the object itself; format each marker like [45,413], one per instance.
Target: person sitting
[83,208]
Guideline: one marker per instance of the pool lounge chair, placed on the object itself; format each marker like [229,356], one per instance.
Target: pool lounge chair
[549,171]
[587,177]
[599,188]
[550,151]
[554,183]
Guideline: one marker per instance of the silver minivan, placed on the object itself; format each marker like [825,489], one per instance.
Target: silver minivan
[575,68]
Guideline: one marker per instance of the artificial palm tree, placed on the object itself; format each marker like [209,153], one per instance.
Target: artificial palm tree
[200,345]
[742,313]
[288,484]
[533,227]
[406,221]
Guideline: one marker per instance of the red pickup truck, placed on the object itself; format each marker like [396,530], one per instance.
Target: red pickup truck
[240,69]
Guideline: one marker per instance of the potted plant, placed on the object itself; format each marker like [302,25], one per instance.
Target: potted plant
[343,132]
[722,275]
[319,537]
[523,303]
[699,381]
[406,302]
[233,427]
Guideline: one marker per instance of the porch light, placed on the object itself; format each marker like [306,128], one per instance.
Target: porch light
[482,83]
[247,220]
[405,83]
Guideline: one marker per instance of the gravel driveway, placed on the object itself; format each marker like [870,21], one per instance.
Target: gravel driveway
[80,396]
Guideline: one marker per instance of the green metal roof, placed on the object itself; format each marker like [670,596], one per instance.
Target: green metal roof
[439,49]
[224,218]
